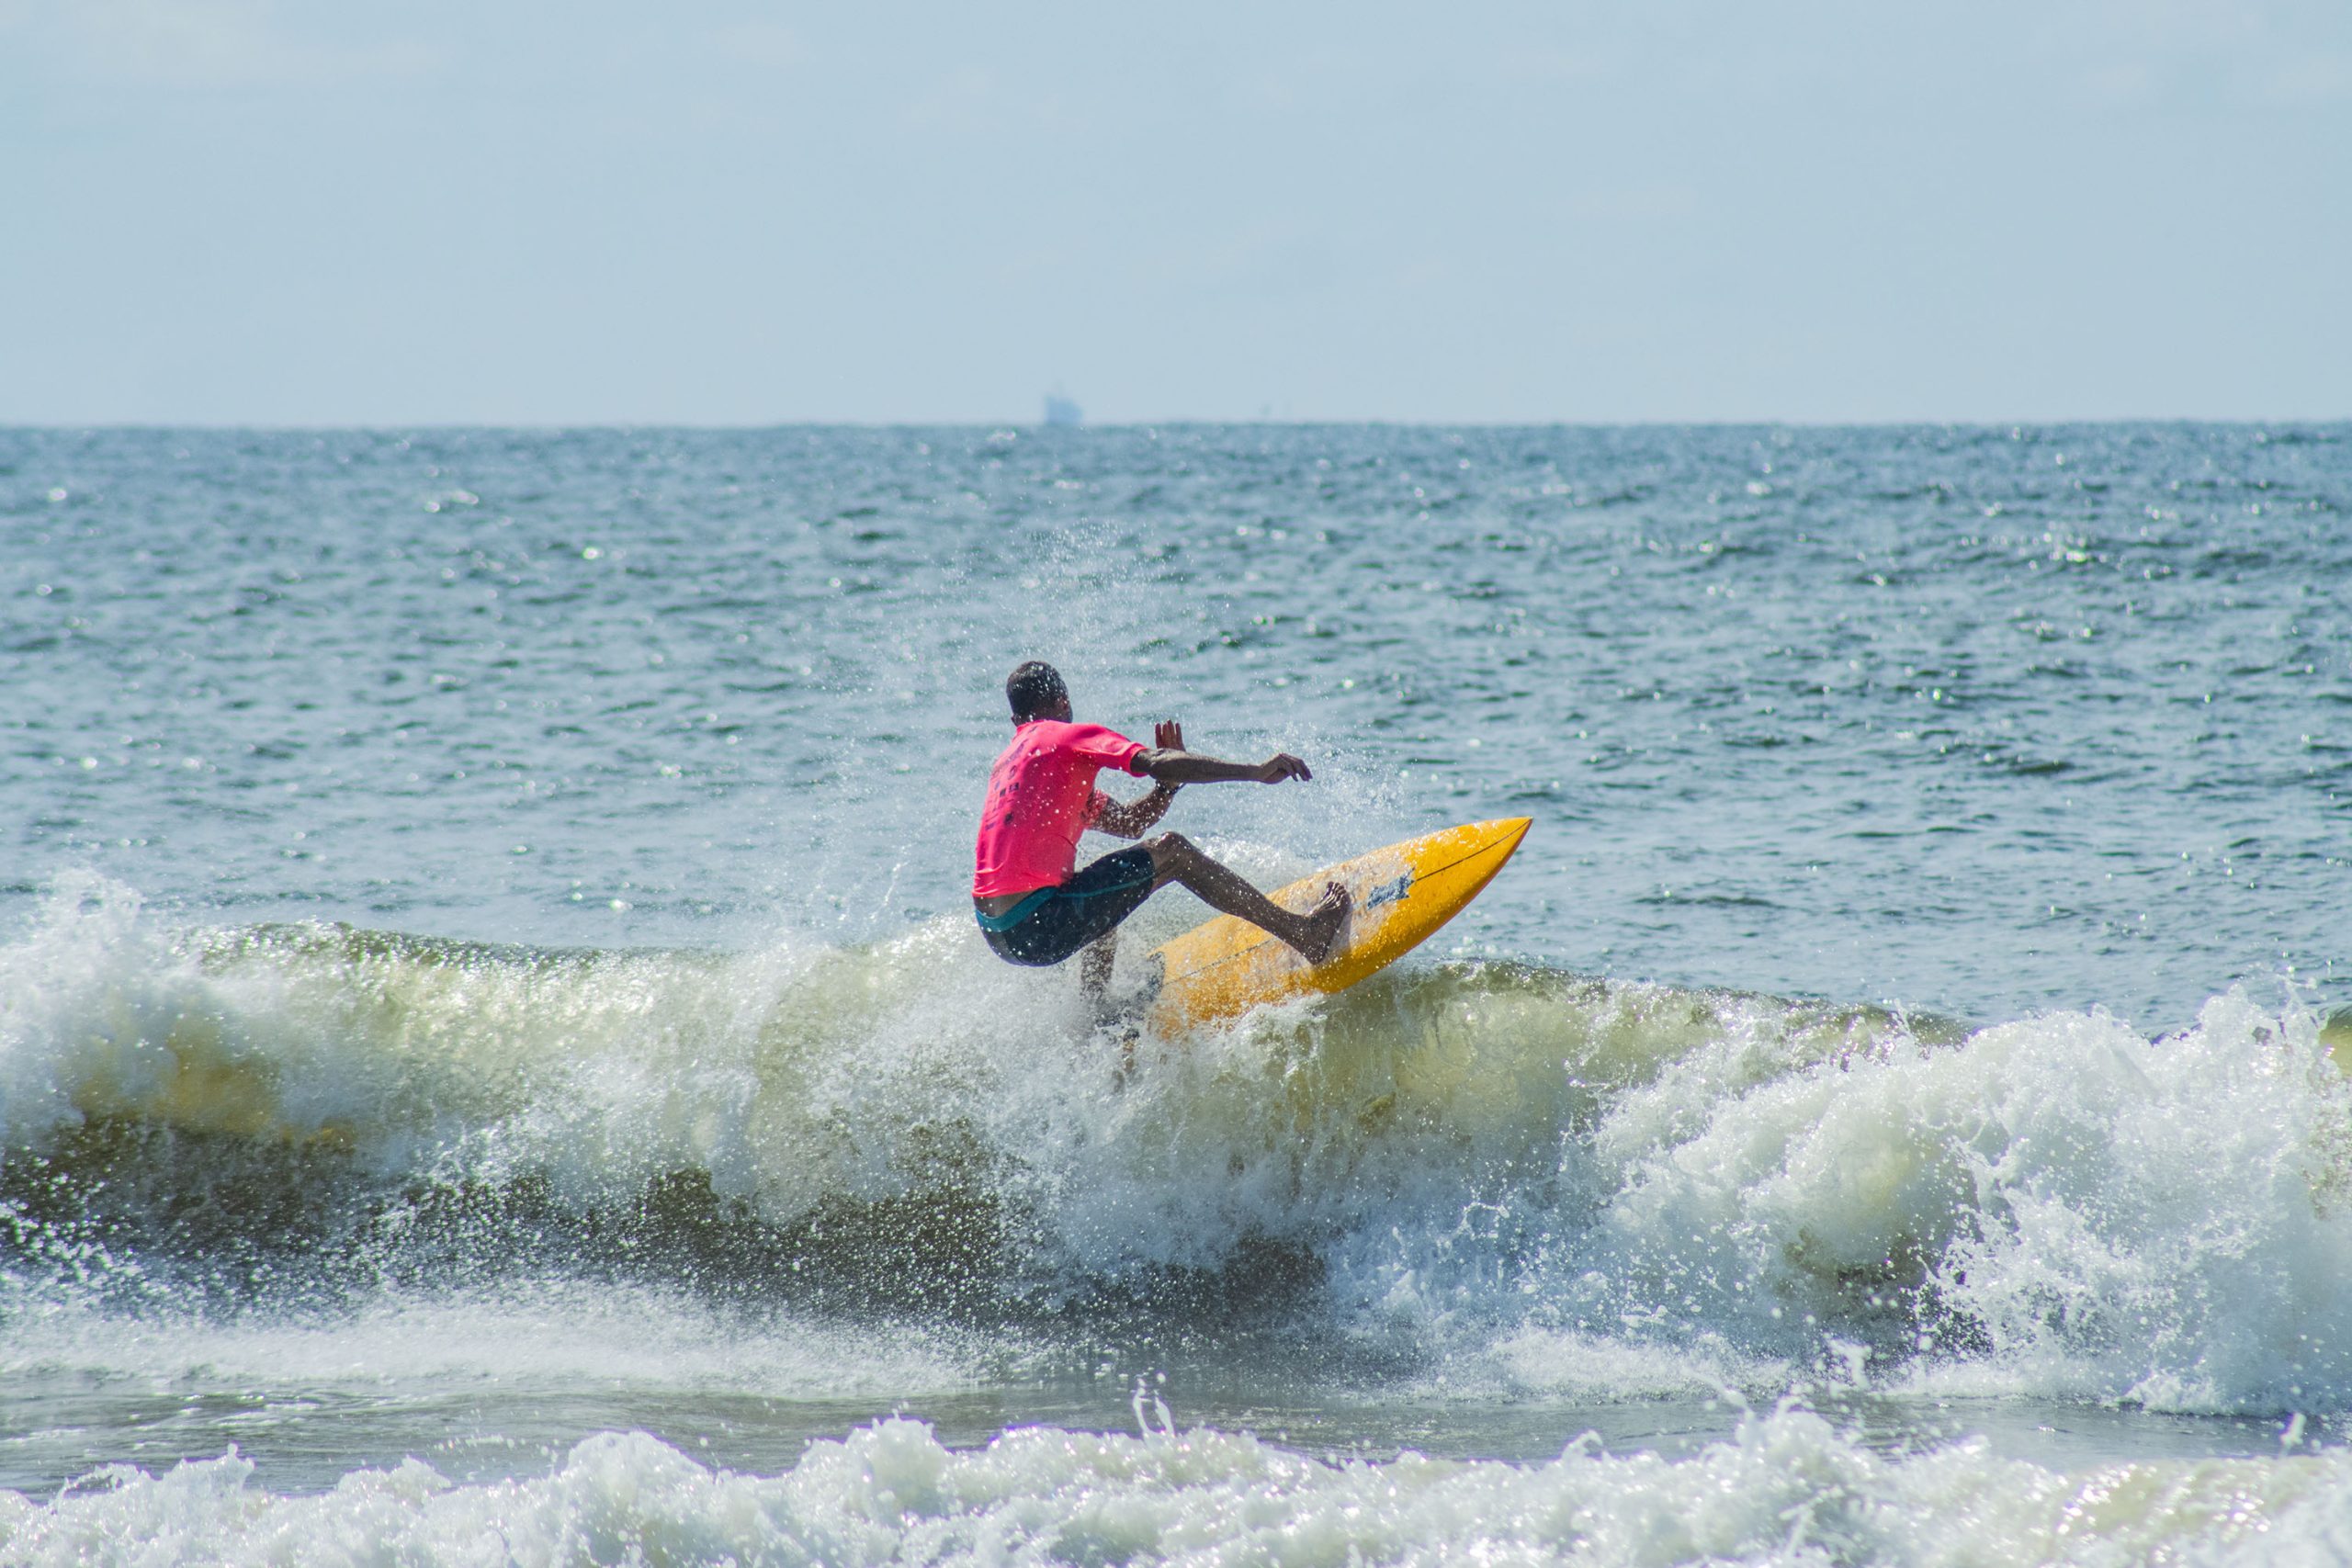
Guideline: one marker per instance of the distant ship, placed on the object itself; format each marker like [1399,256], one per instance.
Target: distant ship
[1060,410]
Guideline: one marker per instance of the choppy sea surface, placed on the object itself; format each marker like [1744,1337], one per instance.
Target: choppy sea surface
[495,1062]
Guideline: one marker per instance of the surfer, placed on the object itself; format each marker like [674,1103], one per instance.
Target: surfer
[1031,905]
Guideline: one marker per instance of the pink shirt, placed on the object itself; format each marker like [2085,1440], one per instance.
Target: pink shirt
[1041,797]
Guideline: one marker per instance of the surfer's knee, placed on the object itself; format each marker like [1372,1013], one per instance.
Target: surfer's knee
[1173,852]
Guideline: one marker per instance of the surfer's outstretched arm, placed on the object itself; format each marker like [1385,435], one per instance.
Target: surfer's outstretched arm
[1168,763]
[1175,858]
[1190,767]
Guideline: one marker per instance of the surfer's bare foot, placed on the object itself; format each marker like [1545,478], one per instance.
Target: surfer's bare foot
[1321,931]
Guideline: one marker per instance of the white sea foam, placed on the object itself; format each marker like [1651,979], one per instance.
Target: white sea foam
[2095,1215]
[1511,1178]
[1786,1488]
[1586,1370]
[550,1333]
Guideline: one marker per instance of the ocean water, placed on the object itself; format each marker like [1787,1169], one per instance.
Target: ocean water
[495,1063]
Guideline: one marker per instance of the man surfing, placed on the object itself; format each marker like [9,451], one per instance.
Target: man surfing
[1035,908]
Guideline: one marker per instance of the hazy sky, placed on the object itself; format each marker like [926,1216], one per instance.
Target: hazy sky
[230,212]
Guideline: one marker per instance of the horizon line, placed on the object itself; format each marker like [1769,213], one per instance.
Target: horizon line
[1039,427]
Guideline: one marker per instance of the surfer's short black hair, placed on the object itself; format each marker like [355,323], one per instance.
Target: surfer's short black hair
[1033,688]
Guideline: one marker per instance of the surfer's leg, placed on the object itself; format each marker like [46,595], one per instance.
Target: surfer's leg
[1094,968]
[1177,859]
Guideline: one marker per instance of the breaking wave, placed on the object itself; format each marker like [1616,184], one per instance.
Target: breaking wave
[1485,1176]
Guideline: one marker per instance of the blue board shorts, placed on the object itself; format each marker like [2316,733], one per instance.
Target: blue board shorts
[1050,924]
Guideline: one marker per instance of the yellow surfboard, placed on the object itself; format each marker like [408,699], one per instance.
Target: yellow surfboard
[1402,893]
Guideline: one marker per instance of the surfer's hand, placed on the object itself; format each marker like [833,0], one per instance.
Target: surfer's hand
[1280,766]
[1168,735]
